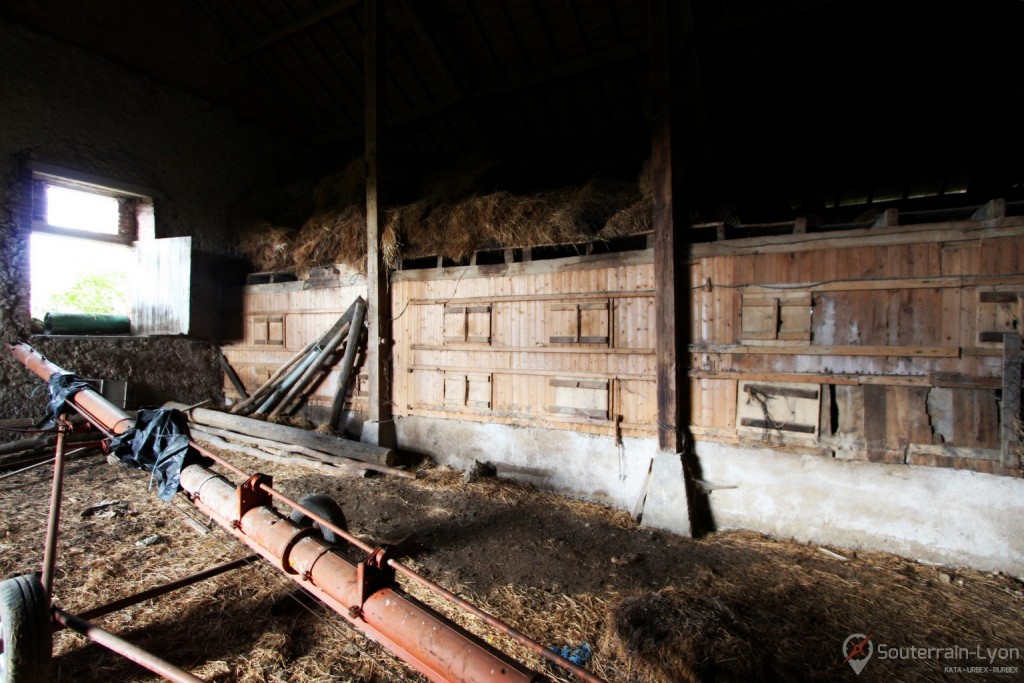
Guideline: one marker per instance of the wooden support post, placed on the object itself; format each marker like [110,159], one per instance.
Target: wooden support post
[1013,356]
[665,256]
[379,428]
[669,496]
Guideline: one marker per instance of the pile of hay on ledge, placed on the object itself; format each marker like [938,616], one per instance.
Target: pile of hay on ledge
[452,220]
[267,247]
[455,229]
[638,217]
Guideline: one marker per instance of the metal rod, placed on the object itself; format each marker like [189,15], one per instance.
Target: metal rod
[157,591]
[274,493]
[347,361]
[47,461]
[496,623]
[53,523]
[488,619]
[424,639]
[122,647]
[360,593]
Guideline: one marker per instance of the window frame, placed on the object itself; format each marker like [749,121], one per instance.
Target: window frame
[132,200]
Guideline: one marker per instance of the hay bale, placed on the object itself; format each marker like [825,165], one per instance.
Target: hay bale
[676,635]
[577,214]
[333,236]
[268,247]
[634,219]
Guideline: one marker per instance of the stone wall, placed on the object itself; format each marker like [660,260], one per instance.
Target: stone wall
[69,108]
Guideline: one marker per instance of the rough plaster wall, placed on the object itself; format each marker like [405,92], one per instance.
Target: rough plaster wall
[938,514]
[583,465]
[932,513]
[67,107]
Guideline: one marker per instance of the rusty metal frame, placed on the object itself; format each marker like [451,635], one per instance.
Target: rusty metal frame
[365,593]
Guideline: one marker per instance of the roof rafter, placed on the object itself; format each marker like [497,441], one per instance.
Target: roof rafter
[283,32]
[564,70]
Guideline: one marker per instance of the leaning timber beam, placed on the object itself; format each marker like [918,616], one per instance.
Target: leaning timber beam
[285,434]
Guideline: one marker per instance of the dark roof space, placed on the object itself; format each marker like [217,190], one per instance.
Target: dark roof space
[780,106]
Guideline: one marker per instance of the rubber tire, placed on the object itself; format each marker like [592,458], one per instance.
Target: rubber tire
[25,630]
[326,507]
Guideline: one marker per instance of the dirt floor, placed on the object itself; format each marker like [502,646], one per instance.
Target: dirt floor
[653,607]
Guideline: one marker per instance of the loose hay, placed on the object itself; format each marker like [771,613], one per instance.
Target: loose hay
[633,220]
[786,600]
[452,219]
[333,236]
[677,635]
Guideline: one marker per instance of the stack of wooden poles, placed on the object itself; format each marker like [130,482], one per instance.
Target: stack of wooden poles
[282,395]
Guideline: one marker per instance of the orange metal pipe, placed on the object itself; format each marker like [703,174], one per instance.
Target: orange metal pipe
[91,404]
[436,647]
[439,649]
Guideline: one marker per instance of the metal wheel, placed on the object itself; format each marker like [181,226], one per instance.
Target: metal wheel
[326,507]
[26,638]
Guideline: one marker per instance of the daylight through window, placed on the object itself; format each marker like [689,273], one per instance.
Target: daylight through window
[81,246]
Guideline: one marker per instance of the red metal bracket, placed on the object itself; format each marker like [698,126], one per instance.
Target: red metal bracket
[374,573]
[251,494]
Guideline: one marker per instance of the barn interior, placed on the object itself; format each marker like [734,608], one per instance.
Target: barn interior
[646,317]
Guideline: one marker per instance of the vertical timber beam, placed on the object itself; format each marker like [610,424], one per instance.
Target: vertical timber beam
[379,428]
[1012,357]
[664,231]
[668,497]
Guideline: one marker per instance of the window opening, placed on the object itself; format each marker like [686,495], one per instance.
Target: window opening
[80,248]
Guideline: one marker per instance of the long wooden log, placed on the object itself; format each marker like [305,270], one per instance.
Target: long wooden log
[290,435]
[347,361]
[283,459]
[204,430]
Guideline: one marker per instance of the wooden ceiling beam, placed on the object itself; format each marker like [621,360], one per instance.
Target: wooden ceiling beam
[291,28]
[565,70]
[440,63]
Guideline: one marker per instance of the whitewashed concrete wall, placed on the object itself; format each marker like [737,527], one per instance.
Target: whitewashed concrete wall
[936,514]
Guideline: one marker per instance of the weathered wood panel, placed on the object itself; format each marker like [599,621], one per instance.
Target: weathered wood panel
[162,288]
[279,320]
[892,330]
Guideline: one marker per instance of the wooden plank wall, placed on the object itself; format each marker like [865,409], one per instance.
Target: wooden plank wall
[883,344]
[278,320]
[567,343]
[900,331]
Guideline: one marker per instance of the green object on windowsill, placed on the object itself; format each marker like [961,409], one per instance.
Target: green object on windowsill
[85,323]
